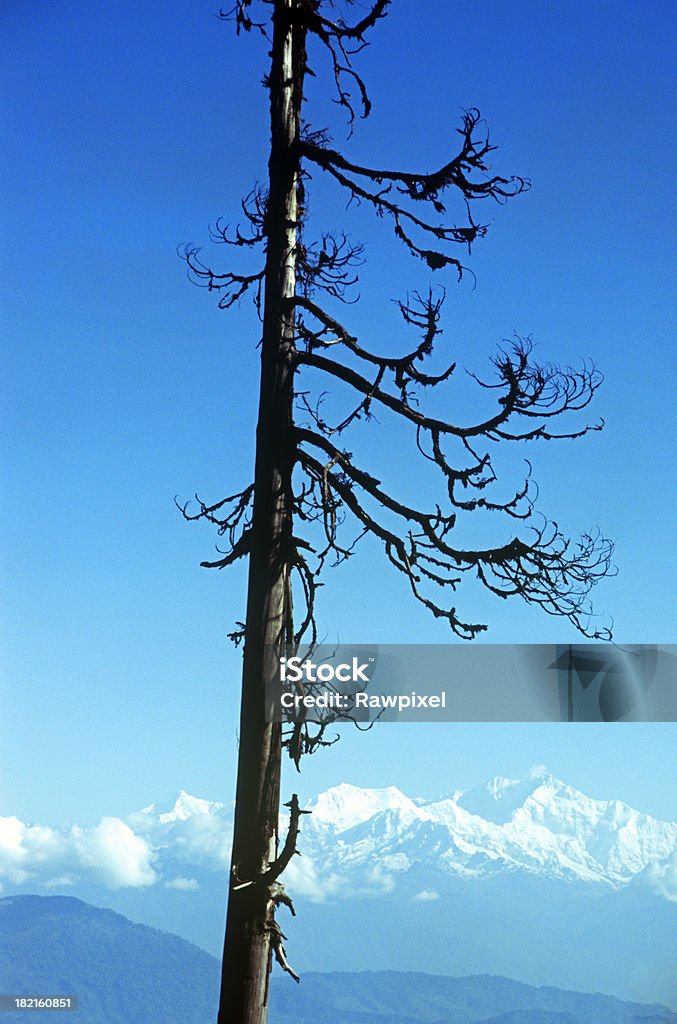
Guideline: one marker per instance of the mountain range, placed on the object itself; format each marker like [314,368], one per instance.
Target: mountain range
[125,973]
[539,826]
[526,878]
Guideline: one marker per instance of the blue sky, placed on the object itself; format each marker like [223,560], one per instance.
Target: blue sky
[132,127]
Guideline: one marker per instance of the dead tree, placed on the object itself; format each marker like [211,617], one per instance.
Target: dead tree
[306,480]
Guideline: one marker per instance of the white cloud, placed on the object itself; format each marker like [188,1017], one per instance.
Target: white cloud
[115,854]
[25,849]
[110,851]
[60,882]
[205,839]
[302,878]
[662,878]
[184,884]
[12,854]
[379,880]
[201,839]
[427,895]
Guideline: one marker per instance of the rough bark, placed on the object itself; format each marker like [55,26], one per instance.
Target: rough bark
[250,929]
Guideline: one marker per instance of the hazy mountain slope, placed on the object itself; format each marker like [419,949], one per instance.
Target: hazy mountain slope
[120,971]
[538,931]
[126,973]
[430,999]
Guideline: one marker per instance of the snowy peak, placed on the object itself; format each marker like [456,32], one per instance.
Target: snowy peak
[496,800]
[181,808]
[343,807]
[500,798]
[186,806]
[186,834]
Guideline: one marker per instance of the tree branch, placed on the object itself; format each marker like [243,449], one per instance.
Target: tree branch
[234,286]
[428,186]
[289,848]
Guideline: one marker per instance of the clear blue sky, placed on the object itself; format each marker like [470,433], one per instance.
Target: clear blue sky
[130,127]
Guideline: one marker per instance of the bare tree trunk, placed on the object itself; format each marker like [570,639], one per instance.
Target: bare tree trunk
[248,950]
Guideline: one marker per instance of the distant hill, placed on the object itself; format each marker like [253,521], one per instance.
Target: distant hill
[394,997]
[125,973]
[122,973]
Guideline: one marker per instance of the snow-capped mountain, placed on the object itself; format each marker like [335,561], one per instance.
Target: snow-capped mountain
[367,841]
[186,835]
[182,808]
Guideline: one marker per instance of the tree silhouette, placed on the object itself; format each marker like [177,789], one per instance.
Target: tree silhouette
[307,482]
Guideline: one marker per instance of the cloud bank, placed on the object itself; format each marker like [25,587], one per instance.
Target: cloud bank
[110,853]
